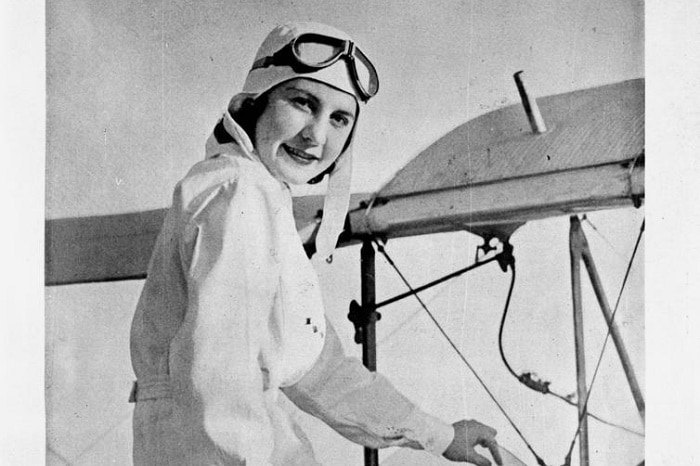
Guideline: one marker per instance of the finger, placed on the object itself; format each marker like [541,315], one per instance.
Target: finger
[490,430]
[486,441]
[492,445]
[479,460]
[496,453]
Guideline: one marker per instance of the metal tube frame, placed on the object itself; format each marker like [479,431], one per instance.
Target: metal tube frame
[575,248]
[580,251]
[368,333]
[614,331]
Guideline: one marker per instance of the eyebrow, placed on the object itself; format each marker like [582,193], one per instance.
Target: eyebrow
[311,95]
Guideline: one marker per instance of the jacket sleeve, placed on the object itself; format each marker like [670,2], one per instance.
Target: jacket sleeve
[231,282]
[364,406]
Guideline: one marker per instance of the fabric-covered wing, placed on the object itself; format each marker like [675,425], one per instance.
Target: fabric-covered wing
[118,247]
[492,173]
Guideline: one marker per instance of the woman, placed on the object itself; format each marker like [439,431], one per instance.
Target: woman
[231,312]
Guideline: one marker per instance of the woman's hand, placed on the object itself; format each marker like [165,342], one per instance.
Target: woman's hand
[469,434]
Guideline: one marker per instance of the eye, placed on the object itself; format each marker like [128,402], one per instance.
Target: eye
[302,102]
[340,120]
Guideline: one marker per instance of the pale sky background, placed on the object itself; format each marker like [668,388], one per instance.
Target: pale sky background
[119,146]
[135,87]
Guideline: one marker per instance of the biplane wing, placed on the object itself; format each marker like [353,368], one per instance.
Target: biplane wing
[493,173]
[489,176]
[118,247]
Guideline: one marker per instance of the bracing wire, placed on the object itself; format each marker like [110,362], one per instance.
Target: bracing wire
[526,379]
[603,237]
[605,342]
[537,385]
[381,249]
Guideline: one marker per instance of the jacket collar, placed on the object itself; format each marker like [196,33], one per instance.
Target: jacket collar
[229,138]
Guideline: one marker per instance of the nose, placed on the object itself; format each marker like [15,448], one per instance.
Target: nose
[315,132]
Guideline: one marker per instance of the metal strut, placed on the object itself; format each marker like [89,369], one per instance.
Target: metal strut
[505,260]
[365,317]
[361,315]
[575,248]
[580,251]
[608,314]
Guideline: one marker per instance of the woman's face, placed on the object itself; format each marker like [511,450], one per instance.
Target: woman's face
[303,129]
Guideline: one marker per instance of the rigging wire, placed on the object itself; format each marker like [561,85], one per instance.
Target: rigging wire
[506,259]
[605,342]
[605,239]
[528,379]
[381,249]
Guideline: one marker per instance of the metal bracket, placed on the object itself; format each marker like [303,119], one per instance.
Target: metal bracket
[361,318]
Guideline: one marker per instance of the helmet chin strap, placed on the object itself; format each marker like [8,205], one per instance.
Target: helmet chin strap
[337,197]
[335,206]
[318,178]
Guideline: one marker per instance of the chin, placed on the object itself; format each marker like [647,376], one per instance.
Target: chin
[295,177]
[290,173]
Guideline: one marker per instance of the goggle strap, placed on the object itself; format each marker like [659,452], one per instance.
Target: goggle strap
[264,62]
[348,54]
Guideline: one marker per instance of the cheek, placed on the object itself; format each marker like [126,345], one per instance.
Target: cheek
[277,124]
[336,143]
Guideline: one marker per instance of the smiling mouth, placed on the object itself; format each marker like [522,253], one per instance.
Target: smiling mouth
[299,155]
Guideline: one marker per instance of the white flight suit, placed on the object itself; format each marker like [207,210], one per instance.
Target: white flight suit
[230,315]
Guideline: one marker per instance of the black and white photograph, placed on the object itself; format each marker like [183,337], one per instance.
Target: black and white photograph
[352,233]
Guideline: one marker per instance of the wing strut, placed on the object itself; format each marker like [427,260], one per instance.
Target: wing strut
[579,251]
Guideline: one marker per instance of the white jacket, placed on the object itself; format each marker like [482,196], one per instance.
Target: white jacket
[230,314]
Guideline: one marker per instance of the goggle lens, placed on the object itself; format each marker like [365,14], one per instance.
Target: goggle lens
[315,51]
[366,73]
[319,51]
[317,54]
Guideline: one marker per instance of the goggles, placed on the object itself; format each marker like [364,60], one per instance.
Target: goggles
[311,52]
